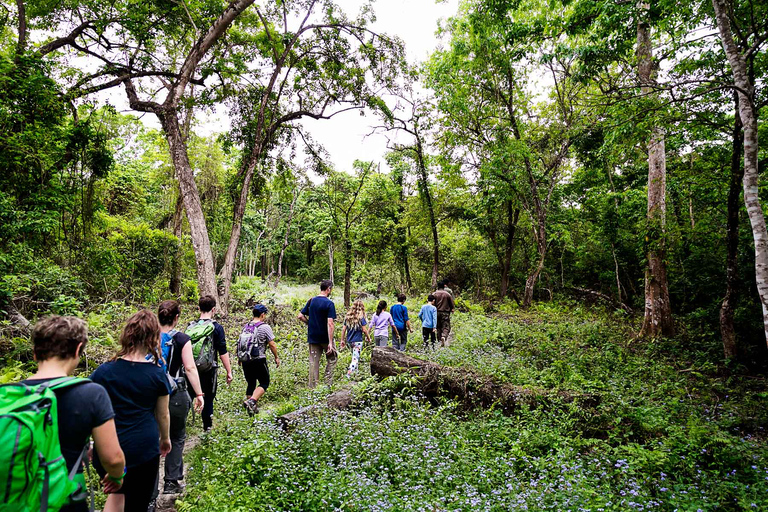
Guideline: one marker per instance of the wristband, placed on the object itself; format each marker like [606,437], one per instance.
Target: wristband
[201,394]
[117,479]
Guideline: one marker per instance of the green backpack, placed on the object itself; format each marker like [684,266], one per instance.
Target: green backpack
[201,337]
[33,472]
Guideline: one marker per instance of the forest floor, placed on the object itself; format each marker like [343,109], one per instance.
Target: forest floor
[674,429]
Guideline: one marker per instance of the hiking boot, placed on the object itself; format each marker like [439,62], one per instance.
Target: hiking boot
[172,487]
[251,406]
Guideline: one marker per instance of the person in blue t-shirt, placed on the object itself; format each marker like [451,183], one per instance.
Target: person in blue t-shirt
[402,323]
[319,314]
[428,317]
[355,327]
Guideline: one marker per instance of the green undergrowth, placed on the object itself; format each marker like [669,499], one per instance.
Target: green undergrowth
[674,427]
[673,430]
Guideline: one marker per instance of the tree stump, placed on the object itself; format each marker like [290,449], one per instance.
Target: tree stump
[341,399]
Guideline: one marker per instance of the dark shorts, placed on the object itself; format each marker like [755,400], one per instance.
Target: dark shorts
[139,484]
[256,370]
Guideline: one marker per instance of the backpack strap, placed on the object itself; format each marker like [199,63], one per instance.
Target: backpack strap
[62,382]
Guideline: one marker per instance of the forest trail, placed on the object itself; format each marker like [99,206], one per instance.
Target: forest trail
[167,502]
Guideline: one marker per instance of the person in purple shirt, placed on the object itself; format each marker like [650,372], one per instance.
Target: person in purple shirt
[402,323]
[380,323]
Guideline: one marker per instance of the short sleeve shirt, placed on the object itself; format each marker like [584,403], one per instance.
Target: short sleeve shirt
[81,408]
[318,310]
[134,389]
[399,315]
[219,339]
[263,335]
[355,334]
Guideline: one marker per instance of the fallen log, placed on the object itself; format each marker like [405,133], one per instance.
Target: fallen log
[471,388]
[341,399]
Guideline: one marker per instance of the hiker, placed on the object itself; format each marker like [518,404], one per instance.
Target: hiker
[319,313]
[402,323]
[180,366]
[428,317]
[139,390]
[381,323]
[355,327]
[445,306]
[252,354]
[79,409]
[208,339]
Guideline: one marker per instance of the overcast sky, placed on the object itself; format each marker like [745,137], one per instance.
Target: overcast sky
[415,22]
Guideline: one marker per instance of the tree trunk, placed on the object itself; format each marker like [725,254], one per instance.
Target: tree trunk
[340,400]
[206,271]
[234,241]
[727,329]
[658,312]
[330,257]
[467,386]
[432,224]
[347,271]
[176,267]
[296,193]
[748,117]
[530,282]
[509,245]
[264,266]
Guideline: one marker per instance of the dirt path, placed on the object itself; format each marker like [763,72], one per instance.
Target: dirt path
[167,502]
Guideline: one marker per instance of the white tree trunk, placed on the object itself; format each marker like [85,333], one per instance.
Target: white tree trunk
[748,117]
[658,311]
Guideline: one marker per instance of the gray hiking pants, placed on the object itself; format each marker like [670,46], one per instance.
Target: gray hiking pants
[316,351]
[179,406]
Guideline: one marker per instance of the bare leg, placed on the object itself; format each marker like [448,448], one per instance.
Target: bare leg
[115,503]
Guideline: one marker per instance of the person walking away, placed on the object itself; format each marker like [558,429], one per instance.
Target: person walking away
[355,327]
[139,390]
[381,322]
[445,306]
[319,313]
[208,340]
[252,354]
[428,317]
[78,408]
[402,323]
[180,366]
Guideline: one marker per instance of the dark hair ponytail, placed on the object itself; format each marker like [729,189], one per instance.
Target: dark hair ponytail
[381,307]
[168,311]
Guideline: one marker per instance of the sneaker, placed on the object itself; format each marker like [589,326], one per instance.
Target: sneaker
[172,487]
[251,406]
[152,506]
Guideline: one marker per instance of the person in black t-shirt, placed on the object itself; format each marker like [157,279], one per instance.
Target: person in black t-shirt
[319,314]
[84,410]
[208,380]
[139,391]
